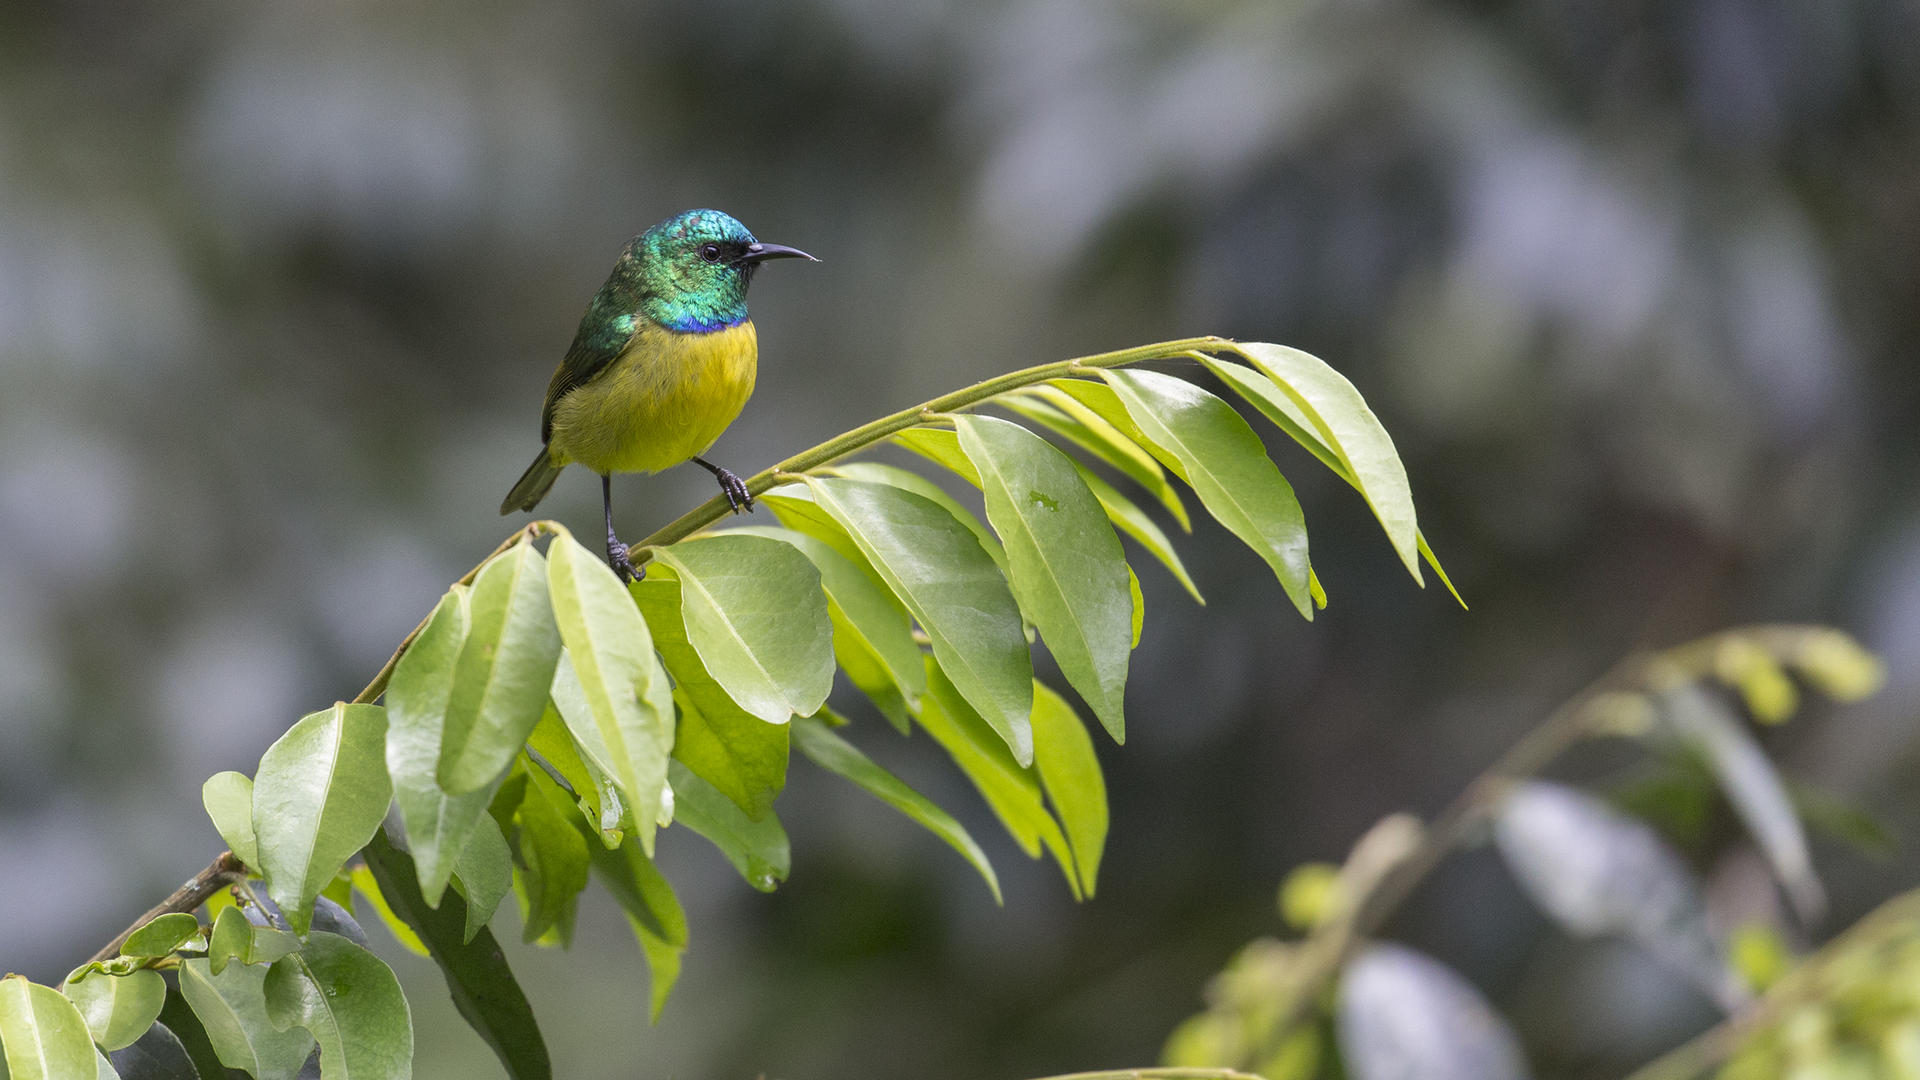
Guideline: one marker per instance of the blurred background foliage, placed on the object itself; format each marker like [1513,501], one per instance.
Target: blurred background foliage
[1632,284]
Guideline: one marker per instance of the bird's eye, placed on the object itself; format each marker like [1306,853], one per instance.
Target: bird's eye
[710,252]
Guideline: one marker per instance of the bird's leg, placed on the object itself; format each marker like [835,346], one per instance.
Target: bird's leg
[616,551]
[738,497]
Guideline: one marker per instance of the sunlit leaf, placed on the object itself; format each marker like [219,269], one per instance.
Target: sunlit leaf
[834,754]
[228,797]
[1402,1014]
[757,849]
[1227,465]
[321,790]
[1130,519]
[483,987]
[232,1010]
[1088,415]
[44,1034]
[161,935]
[955,592]
[349,1001]
[1064,561]
[1070,775]
[942,447]
[652,910]
[873,472]
[502,673]
[118,1008]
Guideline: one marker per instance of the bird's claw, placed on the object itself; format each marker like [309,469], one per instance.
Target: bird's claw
[735,489]
[617,557]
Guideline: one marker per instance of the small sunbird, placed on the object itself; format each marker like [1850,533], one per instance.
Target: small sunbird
[663,361]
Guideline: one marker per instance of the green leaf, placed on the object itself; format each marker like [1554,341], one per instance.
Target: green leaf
[611,654]
[1070,774]
[161,935]
[553,855]
[754,612]
[1139,608]
[1067,570]
[45,1036]
[652,910]
[501,676]
[836,755]
[1079,411]
[735,751]
[351,1004]
[484,874]
[1228,467]
[118,1008]
[178,1016]
[234,938]
[875,473]
[232,1009]
[955,592]
[364,883]
[1133,521]
[482,985]
[1338,413]
[757,849]
[437,823]
[321,790]
[942,447]
[228,797]
[555,742]
[157,1054]
[1011,790]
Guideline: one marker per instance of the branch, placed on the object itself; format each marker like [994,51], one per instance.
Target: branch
[222,872]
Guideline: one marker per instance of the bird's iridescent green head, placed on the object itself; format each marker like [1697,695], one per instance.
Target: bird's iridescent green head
[693,270]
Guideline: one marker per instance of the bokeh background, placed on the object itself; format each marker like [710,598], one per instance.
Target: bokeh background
[1634,285]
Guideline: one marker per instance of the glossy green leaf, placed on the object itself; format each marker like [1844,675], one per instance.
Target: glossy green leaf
[483,987]
[955,592]
[754,612]
[1070,775]
[235,938]
[349,1001]
[1079,411]
[757,849]
[567,738]
[321,790]
[1064,561]
[157,1054]
[611,654]
[793,506]
[942,447]
[118,1008]
[652,910]
[873,472]
[1228,467]
[1340,416]
[553,856]
[437,823]
[483,874]
[738,753]
[836,755]
[44,1034]
[232,1011]
[1011,790]
[369,890]
[1139,608]
[1133,521]
[161,935]
[228,797]
[502,673]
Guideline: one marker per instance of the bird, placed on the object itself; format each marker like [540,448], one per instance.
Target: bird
[662,363]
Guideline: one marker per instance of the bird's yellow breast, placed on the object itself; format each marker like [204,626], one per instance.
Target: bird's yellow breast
[664,399]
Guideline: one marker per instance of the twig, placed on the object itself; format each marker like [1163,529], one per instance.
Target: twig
[220,873]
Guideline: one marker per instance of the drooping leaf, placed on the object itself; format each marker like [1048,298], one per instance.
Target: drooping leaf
[1139,609]
[874,472]
[1597,871]
[44,1034]
[1064,561]
[1070,775]
[954,591]
[228,797]
[754,612]
[942,447]
[1338,413]
[1223,459]
[321,790]
[502,673]
[482,985]
[1130,519]
[1085,413]
[161,935]
[483,874]
[351,1004]
[158,1054]
[738,753]
[232,1010]
[552,746]
[652,910]
[1010,789]
[553,856]
[118,1008]
[757,849]
[437,823]
[369,890]
[1753,787]
[611,655]
[1402,1014]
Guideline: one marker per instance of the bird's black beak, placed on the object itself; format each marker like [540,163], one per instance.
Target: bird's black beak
[759,253]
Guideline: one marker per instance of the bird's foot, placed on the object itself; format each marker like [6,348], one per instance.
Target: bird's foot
[738,497]
[617,557]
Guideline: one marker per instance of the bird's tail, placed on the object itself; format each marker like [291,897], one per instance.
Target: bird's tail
[534,484]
